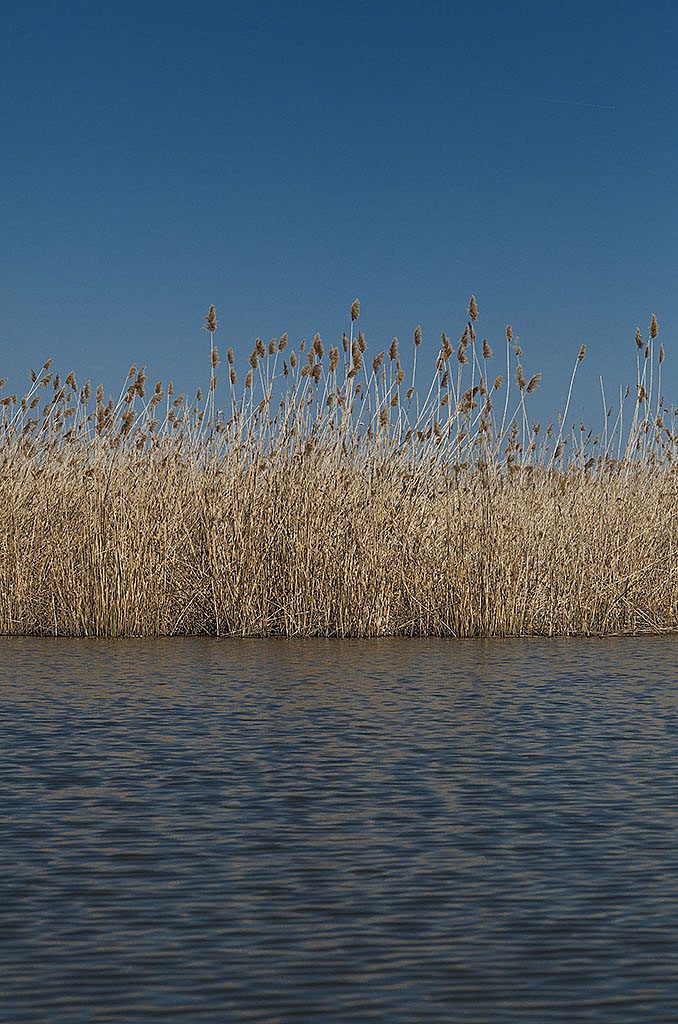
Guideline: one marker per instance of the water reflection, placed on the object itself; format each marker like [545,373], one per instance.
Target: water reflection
[393,830]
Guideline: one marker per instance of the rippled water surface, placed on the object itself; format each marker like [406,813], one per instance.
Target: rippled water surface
[338,831]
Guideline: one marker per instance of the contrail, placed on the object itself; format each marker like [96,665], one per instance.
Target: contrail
[575,103]
[560,102]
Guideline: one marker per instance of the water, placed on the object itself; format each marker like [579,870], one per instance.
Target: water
[338,831]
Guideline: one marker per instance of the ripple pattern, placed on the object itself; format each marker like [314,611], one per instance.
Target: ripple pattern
[407,831]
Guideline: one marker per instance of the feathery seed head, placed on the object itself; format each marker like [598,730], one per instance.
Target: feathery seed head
[211,320]
[355,310]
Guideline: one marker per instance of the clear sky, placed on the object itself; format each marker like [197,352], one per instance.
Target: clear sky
[281,158]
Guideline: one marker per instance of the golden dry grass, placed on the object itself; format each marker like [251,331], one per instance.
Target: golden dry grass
[355,507]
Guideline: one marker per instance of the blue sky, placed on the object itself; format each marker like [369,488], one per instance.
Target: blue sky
[280,159]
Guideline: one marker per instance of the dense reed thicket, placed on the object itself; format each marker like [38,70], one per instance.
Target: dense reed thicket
[331,496]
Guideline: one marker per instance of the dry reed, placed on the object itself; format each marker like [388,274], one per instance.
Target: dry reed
[330,498]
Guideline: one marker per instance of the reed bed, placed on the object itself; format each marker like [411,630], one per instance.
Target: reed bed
[330,495]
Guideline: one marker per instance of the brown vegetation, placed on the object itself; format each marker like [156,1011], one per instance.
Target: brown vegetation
[332,498]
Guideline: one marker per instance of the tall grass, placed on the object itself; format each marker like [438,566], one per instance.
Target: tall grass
[330,495]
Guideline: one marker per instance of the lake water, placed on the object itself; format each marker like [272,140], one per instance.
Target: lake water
[339,831]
